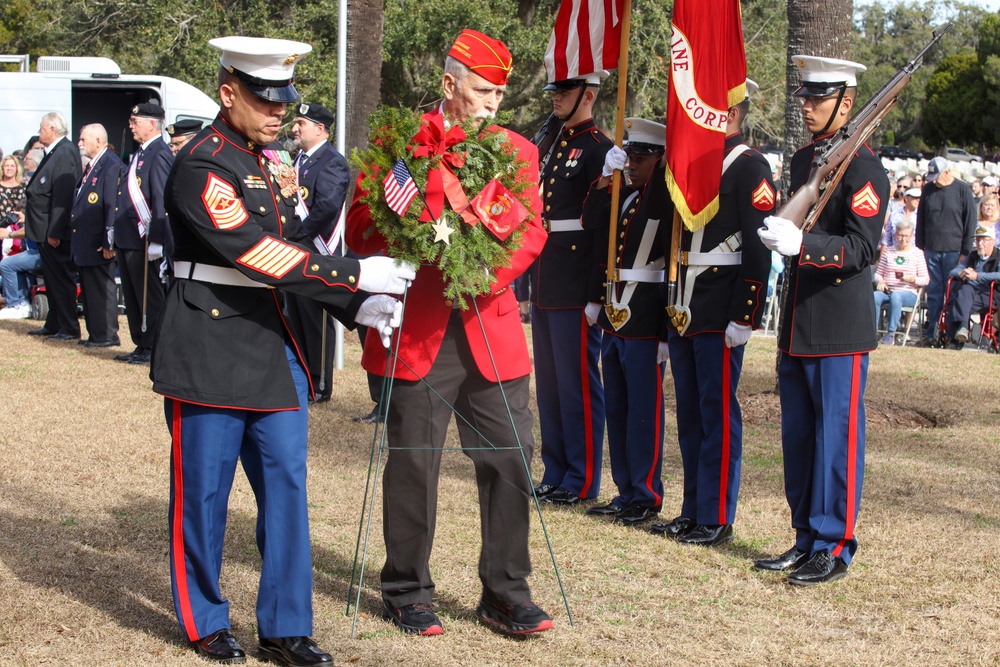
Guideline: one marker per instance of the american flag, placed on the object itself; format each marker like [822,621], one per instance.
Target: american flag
[399,188]
[585,39]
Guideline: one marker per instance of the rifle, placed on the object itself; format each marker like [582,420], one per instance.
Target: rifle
[830,162]
[547,136]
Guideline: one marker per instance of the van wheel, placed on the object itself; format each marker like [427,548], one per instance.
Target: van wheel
[39,307]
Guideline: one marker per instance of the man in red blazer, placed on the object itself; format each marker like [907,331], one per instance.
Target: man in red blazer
[442,350]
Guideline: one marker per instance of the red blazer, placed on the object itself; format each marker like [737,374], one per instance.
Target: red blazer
[427,313]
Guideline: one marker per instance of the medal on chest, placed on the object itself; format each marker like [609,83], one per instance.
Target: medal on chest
[279,163]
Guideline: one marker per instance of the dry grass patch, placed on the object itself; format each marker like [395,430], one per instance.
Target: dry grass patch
[83,540]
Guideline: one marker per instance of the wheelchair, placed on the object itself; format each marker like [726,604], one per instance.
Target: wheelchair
[984,333]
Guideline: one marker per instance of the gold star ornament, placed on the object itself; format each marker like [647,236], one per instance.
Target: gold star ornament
[442,231]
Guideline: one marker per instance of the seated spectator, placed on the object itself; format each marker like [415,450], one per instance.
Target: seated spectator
[908,211]
[970,289]
[901,273]
[14,270]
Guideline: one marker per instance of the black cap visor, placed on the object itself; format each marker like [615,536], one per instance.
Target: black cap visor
[641,148]
[819,88]
[566,84]
[272,91]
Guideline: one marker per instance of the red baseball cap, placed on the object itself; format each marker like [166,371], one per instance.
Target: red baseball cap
[487,57]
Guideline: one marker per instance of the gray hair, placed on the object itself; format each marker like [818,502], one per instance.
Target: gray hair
[456,68]
[98,129]
[57,122]
[904,225]
[35,154]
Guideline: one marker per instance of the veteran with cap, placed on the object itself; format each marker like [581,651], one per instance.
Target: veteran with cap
[233,382]
[827,331]
[633,346]
[972,284]
[723,291]
[565,341]
[475,360]
[323,177]
[182,132]
[142,235]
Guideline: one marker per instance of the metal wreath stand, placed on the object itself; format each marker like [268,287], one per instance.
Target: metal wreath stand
[375,465]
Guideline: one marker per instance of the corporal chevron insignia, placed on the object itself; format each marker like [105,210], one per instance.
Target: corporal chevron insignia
[224,207]
[272,257]
[865,203]
[763,196]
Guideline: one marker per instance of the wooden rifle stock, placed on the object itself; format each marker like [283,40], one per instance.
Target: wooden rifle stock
[830,162]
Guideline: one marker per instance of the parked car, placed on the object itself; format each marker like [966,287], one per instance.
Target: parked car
[959,155]
[898,152]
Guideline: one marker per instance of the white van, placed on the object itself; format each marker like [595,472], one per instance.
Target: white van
[89,90]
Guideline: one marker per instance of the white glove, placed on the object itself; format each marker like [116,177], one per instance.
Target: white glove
[382,313]
[154,252]
[661,352]
[615,159]
[591,311]
[781,236]
[383,274]
[737,334]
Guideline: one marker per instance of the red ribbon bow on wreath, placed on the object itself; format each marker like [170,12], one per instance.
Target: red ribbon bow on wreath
[433,141]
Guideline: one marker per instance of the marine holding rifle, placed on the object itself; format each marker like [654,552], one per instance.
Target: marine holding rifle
[827,330]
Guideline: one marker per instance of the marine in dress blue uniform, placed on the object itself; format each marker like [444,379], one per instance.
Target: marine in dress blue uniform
[827,330]
[228,365]
[566,348]
[322,177]
[633,320]
[92,223]
[725,269]
[151,161]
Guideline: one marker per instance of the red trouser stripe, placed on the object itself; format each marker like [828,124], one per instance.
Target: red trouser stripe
[726,430]
[177,529]
[588,421]
[656,436]
[852,454]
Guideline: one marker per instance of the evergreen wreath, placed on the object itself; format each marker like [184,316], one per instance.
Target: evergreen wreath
[468,261]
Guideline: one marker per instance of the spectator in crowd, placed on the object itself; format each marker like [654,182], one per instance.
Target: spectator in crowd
[911,200]
[11,184]
[989,213]
[977,190]
[31,161]
[970,291]
[946,221]
[901,273]
[14,270]
[33,144]
[990,185]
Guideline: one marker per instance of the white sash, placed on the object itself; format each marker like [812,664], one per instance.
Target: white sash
[649,235]
[138,200]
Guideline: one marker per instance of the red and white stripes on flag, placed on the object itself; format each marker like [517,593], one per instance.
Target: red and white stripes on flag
[399,188]
[586,38]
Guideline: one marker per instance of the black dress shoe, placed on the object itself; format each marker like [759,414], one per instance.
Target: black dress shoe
[821,568]
[789,560]
[294,651]
[611,509]
[40,332]
[82,342]
[127,356]
[708,536]
[675,529]
[561,497]
[220,647]
[103,343]
[542,490]
[320,398]
[373,417]
[141,358]
[61,336]
[633,515]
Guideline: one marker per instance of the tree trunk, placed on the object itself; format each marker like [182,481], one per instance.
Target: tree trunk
[815,28]
[364,69]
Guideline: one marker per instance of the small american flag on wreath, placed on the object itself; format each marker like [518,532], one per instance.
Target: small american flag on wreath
[399,188]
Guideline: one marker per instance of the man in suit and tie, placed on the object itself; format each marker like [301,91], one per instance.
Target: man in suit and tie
[91,243]
[141,232]
[49,200]
[322,176]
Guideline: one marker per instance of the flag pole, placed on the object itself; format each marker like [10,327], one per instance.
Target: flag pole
[619,134]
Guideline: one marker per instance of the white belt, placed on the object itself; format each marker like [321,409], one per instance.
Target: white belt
[573,225]
[711,258]
[641,275]
[209,273]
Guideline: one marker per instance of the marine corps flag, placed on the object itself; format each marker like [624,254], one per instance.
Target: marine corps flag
[708,71]
[586,38]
